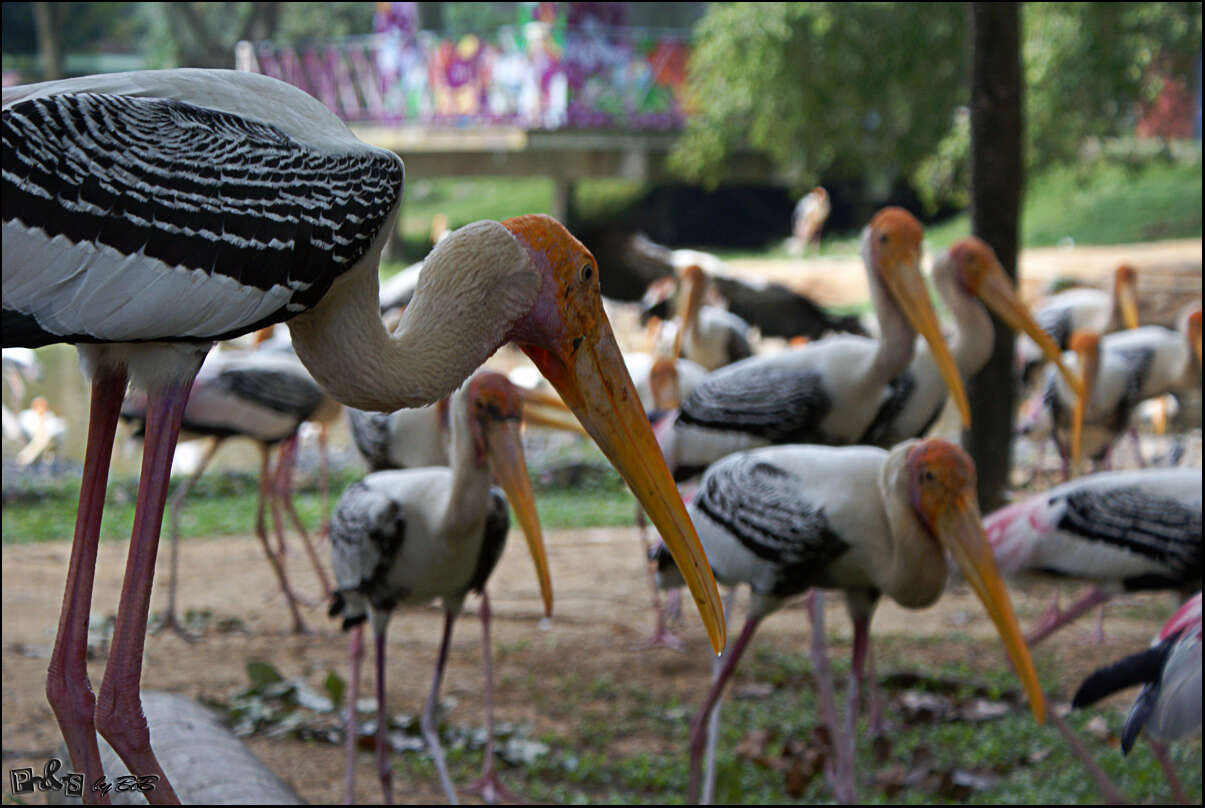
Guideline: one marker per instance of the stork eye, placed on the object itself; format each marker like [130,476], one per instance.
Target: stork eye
[587,272]
[883,238]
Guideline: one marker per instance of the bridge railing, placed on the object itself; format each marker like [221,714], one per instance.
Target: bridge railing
[527,76]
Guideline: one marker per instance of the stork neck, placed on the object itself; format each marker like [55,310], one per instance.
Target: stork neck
[897,337]
[469,496]
[971,343]
[474,287]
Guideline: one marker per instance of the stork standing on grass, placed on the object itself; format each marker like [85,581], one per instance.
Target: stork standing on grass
[1125,531]
[784,519]
[403,538]
[149,214]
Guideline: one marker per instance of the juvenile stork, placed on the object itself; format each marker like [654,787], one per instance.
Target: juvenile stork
[826,392]
[148,214]
[1124,531]
[406,537]
[1168,707]
[784,519]
[967,276]
[1094,310]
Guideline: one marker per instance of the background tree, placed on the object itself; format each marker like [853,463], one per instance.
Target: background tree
[997,177]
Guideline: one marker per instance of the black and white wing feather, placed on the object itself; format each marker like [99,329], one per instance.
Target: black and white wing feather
[216,223]
[367,531]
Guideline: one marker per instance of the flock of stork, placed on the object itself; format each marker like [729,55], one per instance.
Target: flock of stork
[149,215]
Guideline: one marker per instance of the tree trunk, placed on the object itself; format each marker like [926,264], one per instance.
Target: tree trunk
[48,41]
[997,168]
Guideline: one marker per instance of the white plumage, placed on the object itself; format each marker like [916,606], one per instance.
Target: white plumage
[1121,531]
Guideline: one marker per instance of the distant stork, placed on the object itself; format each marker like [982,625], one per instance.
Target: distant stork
[809,217]
[712,336]
[966,276]
[829,391]
[404,538]
[1073,310]
[1124,531]
[1168,707]
[149,214]
[784,519]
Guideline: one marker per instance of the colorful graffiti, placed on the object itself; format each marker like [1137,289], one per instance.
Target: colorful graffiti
[560,65]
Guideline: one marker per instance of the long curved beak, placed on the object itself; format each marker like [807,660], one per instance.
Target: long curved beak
[999,294]
[593,380]
[561,418]
[510,470]
[907,286]
[960,530]
[1127,301]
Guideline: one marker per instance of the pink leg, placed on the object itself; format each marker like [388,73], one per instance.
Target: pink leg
[355,654]
[1162,755]
[862,667]
[67,687]
[840,770]
[1137,448]
[170,620]
[428,723]
[284,493]
[1049,624]
[282,461]
[261,532]
[384,772]
[698,727]
[489,786]
[1104,785]
[661,637]
[119,717]
[324,477]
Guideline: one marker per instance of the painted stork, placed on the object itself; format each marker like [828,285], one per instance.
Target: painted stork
[826,392]
[1169,706]
[869,522]
[712,336]
[148,214]
[1117,372]
[404,538]
[808,218]
[1095,310]
[1125,531]
[966,276]
[662,382]
[42,430]
[263,395]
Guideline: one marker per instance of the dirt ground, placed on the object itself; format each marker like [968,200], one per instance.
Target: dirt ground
[602,601]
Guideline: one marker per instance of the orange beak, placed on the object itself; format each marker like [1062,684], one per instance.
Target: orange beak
[510,470]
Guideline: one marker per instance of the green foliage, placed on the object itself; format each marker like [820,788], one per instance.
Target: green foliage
[879,90]
[865,89]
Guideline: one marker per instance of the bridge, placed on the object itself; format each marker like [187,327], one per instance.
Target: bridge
[539,98]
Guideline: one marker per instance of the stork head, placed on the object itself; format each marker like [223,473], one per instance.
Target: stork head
[1086,346]
[663,379]
[974,264]
[495,410]
[891,247]
[567,335]
[1125,294]
[941,483]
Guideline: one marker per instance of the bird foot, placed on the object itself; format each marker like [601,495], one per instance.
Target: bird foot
[489,788]
[661,638]
[170,622]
